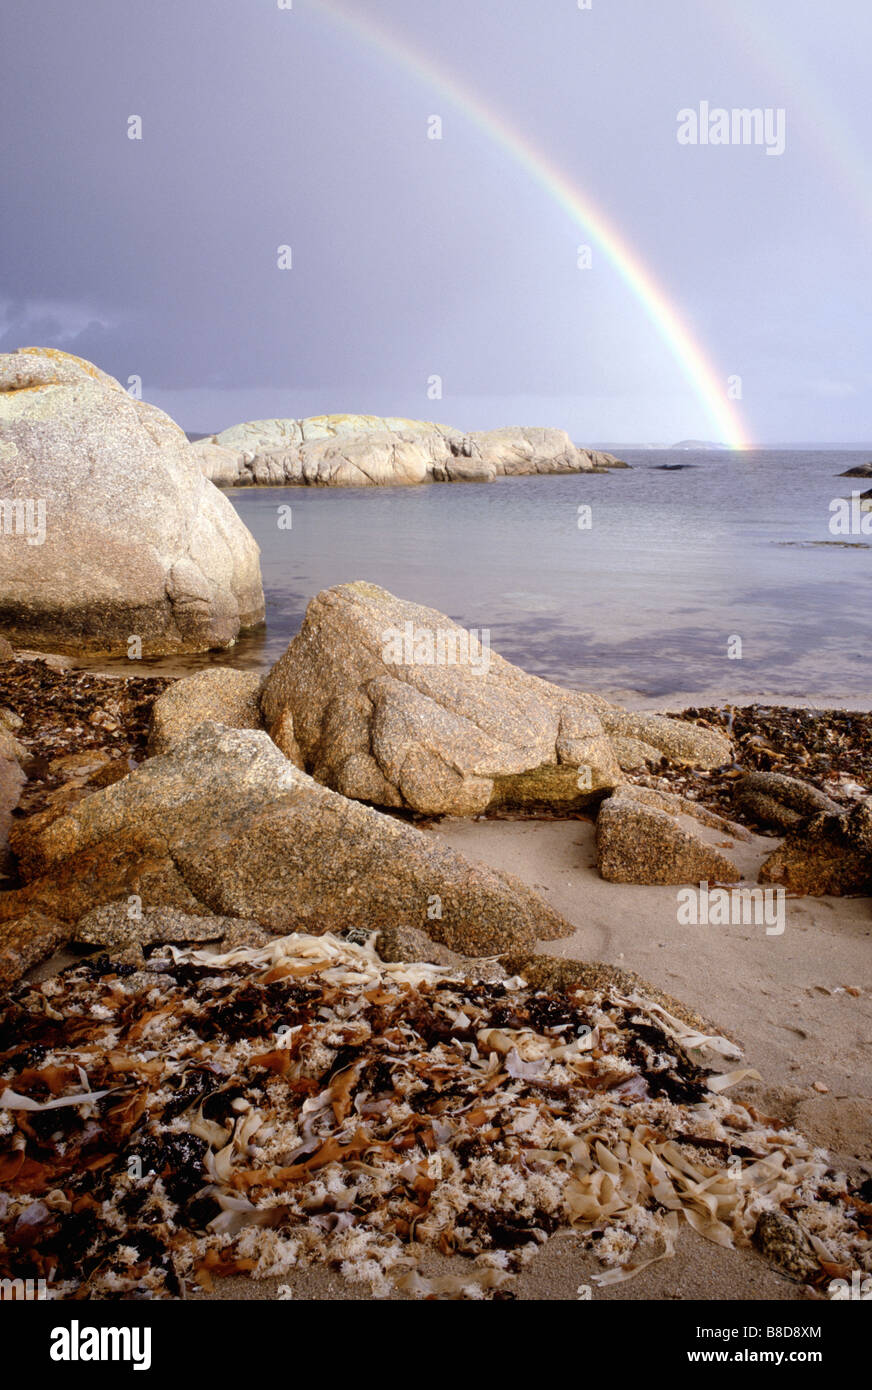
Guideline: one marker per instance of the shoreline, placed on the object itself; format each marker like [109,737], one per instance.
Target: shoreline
[177,668]
[799,1006]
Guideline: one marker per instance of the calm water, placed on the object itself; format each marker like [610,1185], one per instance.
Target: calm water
[641,604]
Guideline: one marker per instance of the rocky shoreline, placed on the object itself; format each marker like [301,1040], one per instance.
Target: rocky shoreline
[257,1011]
[369,451]
[163,833]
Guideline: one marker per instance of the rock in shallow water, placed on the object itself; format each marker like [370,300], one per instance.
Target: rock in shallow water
[225,822]
[395,704]
[117,534]
[369,450]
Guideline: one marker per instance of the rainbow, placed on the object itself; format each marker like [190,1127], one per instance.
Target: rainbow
[708,384]
[842,156]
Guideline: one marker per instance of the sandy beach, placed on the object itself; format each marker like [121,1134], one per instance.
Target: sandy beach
[796,999]
[784,999]
[799,1005]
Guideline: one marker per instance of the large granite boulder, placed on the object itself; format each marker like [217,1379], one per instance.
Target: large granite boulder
[825,854]
[227,824]
[379,451]
[114,533]
[393,703]
[646,836]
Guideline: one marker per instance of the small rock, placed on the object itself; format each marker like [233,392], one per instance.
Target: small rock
[819,1086]
[785,1245]
[637,841]
[27,940]
[111,772]
[111,926]
[12,781]
[241,934]
[10,747]
[55,661]
[229,697]
[78,764]
[826,854]
[779,801]
[68,794]
[410,944]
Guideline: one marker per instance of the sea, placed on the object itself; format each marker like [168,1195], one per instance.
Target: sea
[688,576]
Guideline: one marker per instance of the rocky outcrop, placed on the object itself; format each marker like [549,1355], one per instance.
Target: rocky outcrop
[366,460]
[394,704]
[111,532]
[225,823]
[221,466]
[825,854]
[375,451]
[862,470]
[220,693]
[779,801]
[259,436]
[645,836]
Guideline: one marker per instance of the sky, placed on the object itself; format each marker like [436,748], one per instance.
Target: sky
[441,278]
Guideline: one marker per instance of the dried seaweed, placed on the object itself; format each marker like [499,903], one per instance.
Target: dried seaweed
[229,1114]
[70,712]
[831,749]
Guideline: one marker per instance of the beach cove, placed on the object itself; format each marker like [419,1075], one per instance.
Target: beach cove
[376,967]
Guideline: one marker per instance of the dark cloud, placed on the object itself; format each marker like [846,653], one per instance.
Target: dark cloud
[264,127]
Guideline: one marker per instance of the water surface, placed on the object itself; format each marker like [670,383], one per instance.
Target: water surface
[685,551]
